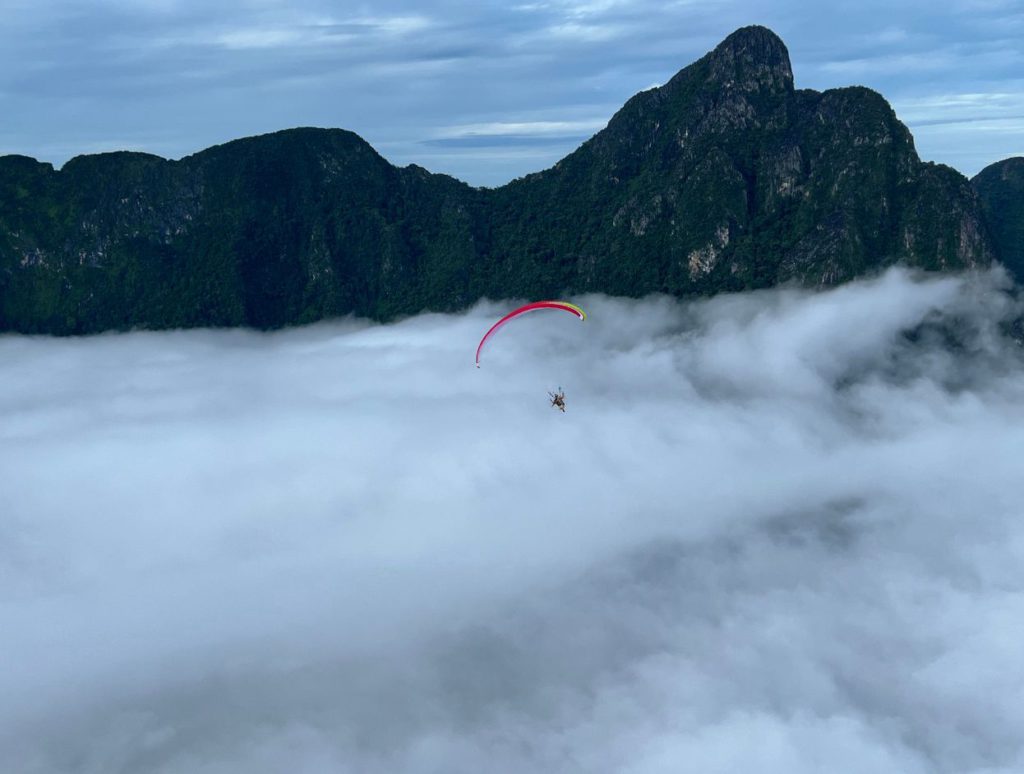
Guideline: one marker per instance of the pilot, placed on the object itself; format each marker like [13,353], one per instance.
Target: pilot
[558,399]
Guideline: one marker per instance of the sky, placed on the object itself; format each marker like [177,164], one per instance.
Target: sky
[485,91]
[778,531]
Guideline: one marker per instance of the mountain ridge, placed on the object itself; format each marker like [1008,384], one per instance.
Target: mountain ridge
[727,177]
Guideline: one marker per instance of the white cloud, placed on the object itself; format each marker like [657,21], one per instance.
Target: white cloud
[888,35]
[522,128]
[945,125]
[589,33]
[961,108]
[259,38]
[575,9]
[891,63]
[986,6]
[771,531]
[312,31]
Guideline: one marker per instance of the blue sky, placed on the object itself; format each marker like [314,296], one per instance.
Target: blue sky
[485,91]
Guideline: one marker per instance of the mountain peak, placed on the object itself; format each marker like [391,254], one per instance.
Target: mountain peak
[752,59]
[723,179]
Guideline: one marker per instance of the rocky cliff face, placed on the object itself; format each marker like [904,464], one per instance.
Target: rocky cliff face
[729,178]
[725,178]
[1001,189]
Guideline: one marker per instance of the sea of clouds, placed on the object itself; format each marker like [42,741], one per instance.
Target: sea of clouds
[779,532]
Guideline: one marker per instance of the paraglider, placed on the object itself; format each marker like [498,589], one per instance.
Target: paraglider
[565,306]
[558,399]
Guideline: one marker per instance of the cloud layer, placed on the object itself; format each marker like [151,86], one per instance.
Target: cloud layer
[778,531]
[174,76]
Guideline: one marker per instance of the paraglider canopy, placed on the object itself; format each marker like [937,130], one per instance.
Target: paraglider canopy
[565,306]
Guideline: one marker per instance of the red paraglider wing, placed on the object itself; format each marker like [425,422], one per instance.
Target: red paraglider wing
[565,306]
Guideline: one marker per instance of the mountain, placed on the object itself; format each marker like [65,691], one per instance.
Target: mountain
[1001,189]
[725,178]
[286,228]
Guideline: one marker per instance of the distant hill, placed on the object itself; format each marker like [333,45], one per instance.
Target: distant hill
[723,179]
[1001,188]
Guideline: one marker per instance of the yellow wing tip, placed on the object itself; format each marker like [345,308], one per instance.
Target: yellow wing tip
[583,315]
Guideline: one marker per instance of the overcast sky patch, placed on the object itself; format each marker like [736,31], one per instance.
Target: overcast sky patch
[176,77]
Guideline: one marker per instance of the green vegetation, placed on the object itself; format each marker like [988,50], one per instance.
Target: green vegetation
[1001,188]
[725,178]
